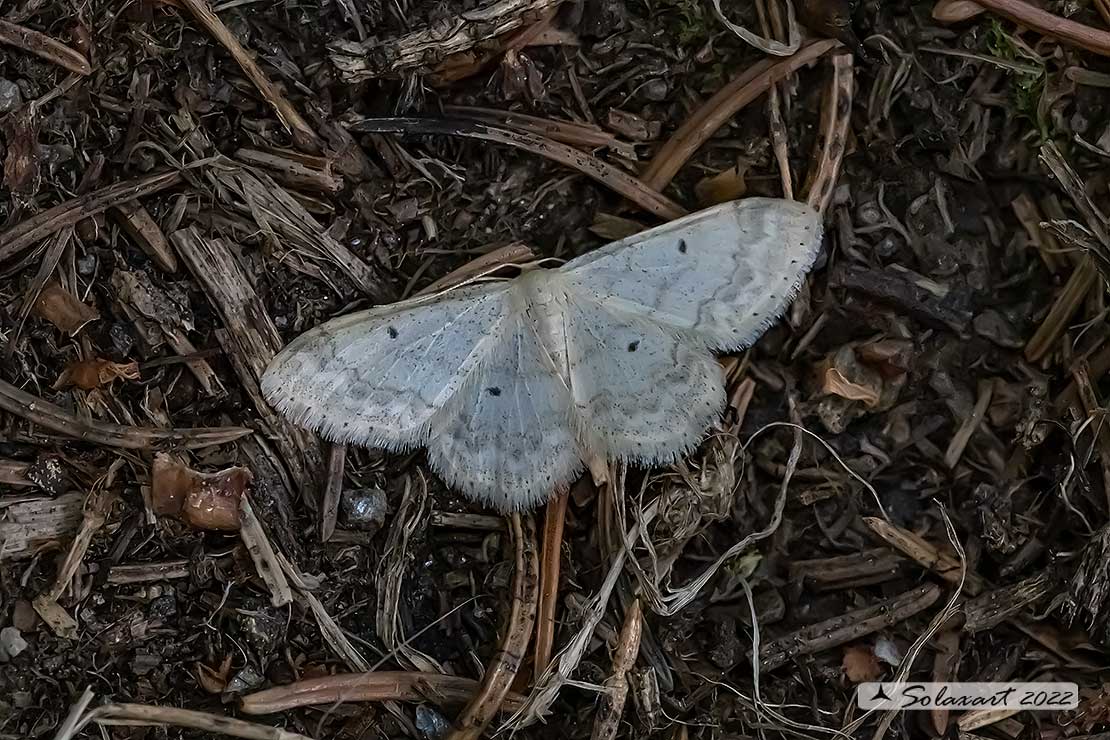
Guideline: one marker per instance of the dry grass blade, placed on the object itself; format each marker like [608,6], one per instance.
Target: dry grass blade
[46,269]
[567,132]
[557,674]
[285,222]
[333,489]
[407,521]
[719,109]
[487,702]
[266,562]
[832,139]
[55,418]
[28,232]
[303,135]
[44,47]
[411,686]
[609,175]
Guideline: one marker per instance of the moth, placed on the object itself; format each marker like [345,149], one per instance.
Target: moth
[512,385]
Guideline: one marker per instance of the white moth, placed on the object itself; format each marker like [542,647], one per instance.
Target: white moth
[511,385]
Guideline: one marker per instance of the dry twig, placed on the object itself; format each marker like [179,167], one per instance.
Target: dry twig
[44,47]
[719,109]
[365,687]
[609,175]
[607,721]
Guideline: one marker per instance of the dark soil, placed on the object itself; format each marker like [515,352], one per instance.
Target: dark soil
[917,358]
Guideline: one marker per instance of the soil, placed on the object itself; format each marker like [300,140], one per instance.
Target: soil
[948,360]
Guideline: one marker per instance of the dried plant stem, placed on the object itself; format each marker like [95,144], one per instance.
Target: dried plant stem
[144,715]
[1051,25]
[775,123]
[55,418]
[607,721]
[643,195]
[716,111]
[333,489]
[847,627]
[836,120]
[303,135]
[487,702]
[552,546]
[41,225]
[366,687]
[1093,406]
[44,47]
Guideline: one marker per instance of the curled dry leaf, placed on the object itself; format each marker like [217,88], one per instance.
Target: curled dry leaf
[860,664]
[62,309]
[859,379]
[94,373]
[21,164]
[202,500]
[724,186]
[956,11]
[214,680]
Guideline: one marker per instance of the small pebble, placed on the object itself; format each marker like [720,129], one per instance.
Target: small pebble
[24,616]
[263,629]
[11,643]
[997,328]
[655,90]
[162,607]
[430,723]
[10,97]
[364,508]
[244,680]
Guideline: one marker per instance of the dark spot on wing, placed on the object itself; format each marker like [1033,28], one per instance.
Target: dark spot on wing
[392,332]
[682,246]
[493,390]
[632,346]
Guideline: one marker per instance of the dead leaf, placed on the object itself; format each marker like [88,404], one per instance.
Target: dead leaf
[836,384]
[860,664]
[62,309]
[722,187]
[94,373]
[214,680]
[21,165]
[202,500]
[611,227]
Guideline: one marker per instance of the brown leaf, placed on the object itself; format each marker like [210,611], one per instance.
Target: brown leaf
[214,680]
[724,186]
[62,309]
[860,664]
[21,166]
[836,384]
[202,500]
[90,374]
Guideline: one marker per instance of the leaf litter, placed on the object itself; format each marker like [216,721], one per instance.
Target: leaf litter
[912,477]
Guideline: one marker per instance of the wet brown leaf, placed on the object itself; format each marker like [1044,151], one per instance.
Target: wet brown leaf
[201,500]
[724,186]
[860,664]
[94,373]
